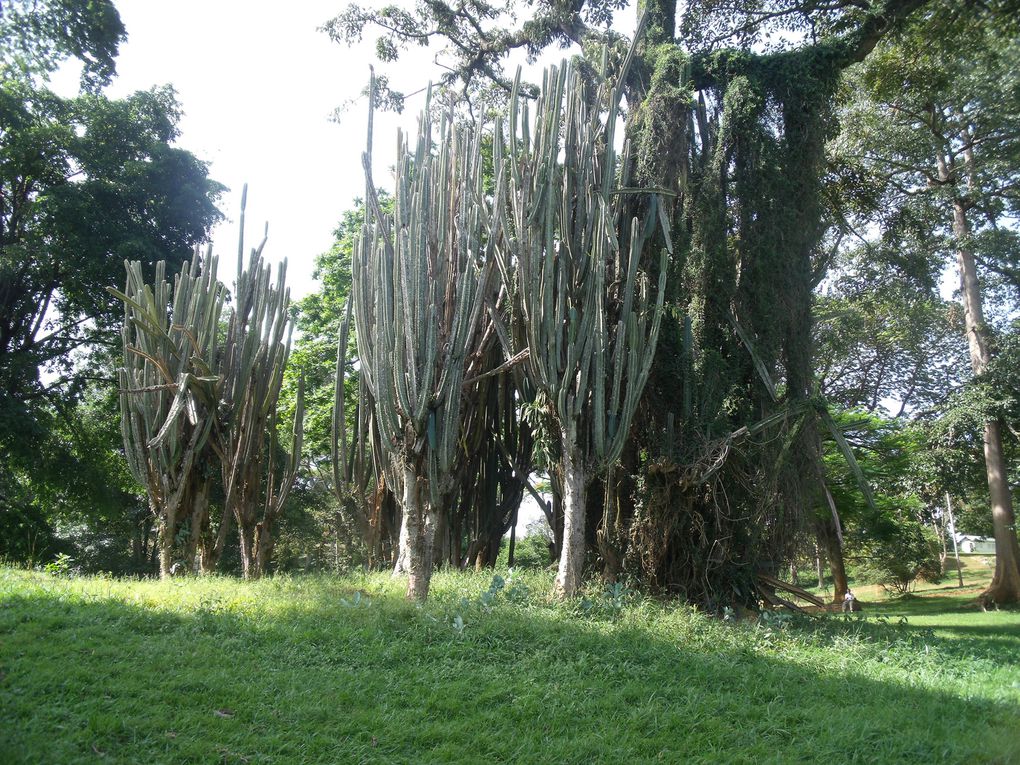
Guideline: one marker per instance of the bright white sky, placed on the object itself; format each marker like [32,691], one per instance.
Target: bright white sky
[258,84]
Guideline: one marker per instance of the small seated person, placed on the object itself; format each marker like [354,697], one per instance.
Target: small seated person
[848,601]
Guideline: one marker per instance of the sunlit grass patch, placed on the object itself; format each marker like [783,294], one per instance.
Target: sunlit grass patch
[326,669]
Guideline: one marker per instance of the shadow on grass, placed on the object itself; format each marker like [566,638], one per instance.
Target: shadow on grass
[380,681]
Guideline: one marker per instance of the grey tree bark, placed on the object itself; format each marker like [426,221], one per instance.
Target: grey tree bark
[568,574]
[1005,586]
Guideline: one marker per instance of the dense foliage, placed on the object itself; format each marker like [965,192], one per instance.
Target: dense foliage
[85,183]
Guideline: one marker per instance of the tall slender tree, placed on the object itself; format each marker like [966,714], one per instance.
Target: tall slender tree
[938,118]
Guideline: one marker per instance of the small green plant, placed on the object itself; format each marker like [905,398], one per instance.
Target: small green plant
[517,592]
[617,597]
[775,620]
[62,565]
[609,604]
[488,598]
[357,600]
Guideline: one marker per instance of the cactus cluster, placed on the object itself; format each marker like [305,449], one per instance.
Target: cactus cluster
[168,385]
[573,253]
[487,284]
[571,315]
[420,277]
[195,393]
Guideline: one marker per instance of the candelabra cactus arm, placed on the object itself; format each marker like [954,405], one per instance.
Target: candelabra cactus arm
[420,278]
[167,388]
[574,258]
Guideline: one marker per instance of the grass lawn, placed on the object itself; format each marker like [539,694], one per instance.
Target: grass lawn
[325,670]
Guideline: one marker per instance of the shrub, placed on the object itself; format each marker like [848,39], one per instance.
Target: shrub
[898,560]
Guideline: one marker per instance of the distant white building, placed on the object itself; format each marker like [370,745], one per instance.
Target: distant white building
[969,543]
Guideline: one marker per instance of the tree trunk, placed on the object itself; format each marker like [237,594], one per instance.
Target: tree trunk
[403,552]
[956,549]
[199,523]
[415,532]
[153,549]
[940,535]
[441,540]
[618,512]
[834,544]
[391,518]
[1005,586]
[166,540]
[606,536]
[262,549]
[431,529]
[247,538]
[167,532]
[568,576]
[839,583]
[834,551]
[513,541]
[818,567]
[556,522]
[211,550]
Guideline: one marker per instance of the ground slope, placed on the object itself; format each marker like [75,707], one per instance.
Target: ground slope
[324,670]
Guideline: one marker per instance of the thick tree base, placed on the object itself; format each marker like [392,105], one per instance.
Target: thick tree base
[1001,593]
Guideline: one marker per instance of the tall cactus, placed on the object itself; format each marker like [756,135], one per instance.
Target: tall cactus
[187,401]
[167,393]
[573,253]
[419,277]
[254,354]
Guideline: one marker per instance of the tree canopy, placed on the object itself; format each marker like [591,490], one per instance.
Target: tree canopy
[86,182]
[37,35]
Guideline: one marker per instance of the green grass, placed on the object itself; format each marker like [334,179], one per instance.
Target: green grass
[298,670]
